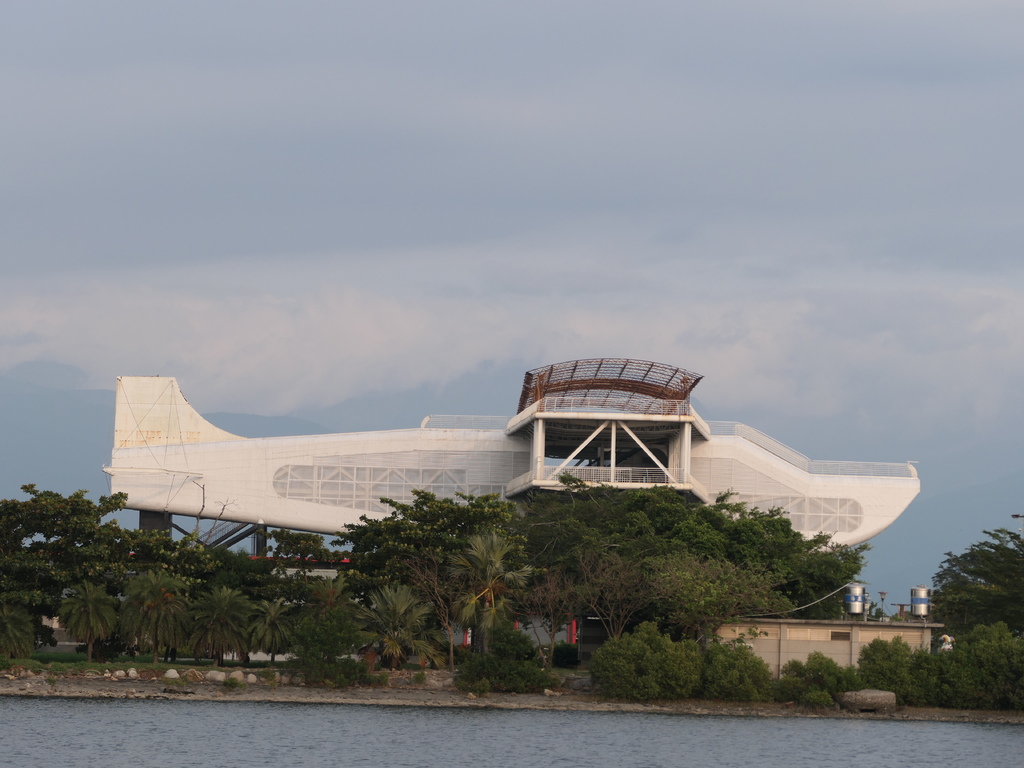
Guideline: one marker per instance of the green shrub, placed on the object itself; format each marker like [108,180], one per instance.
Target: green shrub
[985,670]
[886,665]
[818,700]
[511,665]
[503,675]
[733,672]
[646,665]
[566,655]
[323,648]
[819,674]
[234,685]
[507,642]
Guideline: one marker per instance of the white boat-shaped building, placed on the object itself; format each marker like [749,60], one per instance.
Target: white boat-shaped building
[624,423]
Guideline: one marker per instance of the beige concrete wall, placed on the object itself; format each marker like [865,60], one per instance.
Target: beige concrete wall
[778,641]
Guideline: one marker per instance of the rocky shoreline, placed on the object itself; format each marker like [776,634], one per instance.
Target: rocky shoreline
[433,689]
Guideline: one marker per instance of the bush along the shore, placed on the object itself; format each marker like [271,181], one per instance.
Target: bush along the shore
[646,665]
[733,672]
[816,682]
[511,665]
[984,671]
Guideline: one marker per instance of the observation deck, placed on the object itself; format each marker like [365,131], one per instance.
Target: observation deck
[623,423]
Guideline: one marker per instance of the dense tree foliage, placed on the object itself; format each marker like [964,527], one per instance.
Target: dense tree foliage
[49,543]
[380,551]
[562,529]
[415,577]
[984,584]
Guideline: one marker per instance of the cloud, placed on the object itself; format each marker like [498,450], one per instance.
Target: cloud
[815,206]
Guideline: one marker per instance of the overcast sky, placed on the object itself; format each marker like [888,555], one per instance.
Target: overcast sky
[815,205]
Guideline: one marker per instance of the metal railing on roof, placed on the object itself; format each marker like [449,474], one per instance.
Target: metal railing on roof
[600,404]
[465,422]
[811,466]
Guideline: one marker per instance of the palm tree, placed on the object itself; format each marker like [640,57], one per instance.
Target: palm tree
[221,623]
[90,614]
[397,623]
[17,635]
[490,581]
[155,611]
[328,594]
[271,629]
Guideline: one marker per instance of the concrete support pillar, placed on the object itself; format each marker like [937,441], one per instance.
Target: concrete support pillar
[687,436]
[539,449]
[611,462]
[154,521]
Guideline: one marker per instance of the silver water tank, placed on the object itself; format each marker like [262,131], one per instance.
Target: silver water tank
[920,601]
[855,600]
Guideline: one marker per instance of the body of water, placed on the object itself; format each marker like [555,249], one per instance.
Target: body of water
[170,734]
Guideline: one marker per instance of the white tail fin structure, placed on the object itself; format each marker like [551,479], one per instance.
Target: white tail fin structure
[150,411]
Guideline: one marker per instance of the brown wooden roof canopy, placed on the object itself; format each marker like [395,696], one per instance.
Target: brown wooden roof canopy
[612,381]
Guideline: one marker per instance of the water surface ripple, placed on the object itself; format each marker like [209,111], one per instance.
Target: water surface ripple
[59,733]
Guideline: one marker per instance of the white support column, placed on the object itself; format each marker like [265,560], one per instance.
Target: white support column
[539,449]
[687,436]
[611,463]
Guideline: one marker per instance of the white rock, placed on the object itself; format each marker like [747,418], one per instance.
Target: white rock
[251,679]
[133,674]
[237,675]
[172,674]
[215,676]
[118,674]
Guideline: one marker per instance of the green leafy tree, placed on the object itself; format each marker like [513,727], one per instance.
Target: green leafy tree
[17,637]
[697,596]
[220,623]
[50,542]
[381,549]
[431,577]
[397,623]
[491,579]
[549,602]
[271,628]
[614,588]
[641,524]
[89,614]
[155,612]
[984,584]
[300,559]
[255,577]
